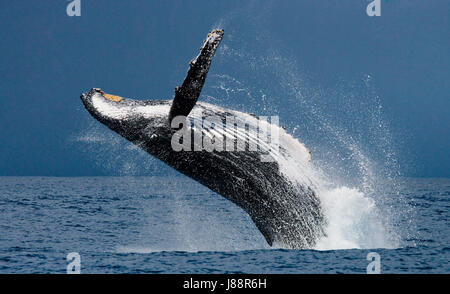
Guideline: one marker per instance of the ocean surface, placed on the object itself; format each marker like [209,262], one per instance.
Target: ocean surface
[174,225]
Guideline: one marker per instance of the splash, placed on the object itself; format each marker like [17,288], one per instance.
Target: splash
[353,221]
[354,168]
[113,153]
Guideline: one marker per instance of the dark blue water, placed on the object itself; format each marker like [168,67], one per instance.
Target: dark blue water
[174,225]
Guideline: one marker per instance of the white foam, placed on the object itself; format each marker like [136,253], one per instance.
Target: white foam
[353,221]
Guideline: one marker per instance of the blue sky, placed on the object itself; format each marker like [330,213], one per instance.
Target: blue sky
[141,49]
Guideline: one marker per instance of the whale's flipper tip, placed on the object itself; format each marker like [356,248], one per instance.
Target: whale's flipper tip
[187,94]
[217,32]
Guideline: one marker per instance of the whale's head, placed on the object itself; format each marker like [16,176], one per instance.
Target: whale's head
[136,120]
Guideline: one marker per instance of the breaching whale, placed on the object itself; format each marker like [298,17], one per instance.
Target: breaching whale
[286,210]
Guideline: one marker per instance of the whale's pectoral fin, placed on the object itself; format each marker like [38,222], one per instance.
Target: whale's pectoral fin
[187,94]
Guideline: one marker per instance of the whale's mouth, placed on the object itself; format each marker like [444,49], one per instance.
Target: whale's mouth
[112,109]
[99,93]
[102,105]
[110,97]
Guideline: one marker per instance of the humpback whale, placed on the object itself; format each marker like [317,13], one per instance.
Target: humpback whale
[286,210]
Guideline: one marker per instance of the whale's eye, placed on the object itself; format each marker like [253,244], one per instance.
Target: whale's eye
[113,98]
